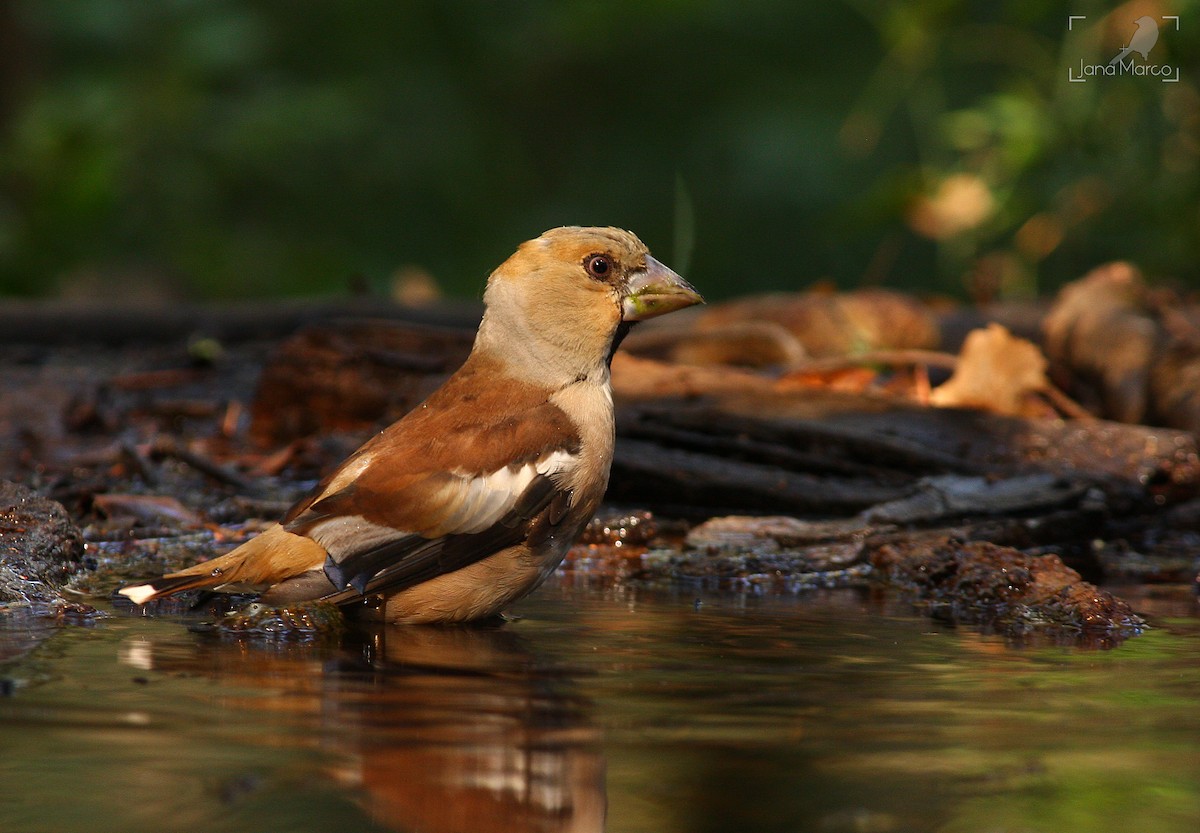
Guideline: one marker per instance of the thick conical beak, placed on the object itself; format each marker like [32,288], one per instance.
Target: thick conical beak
[655,291]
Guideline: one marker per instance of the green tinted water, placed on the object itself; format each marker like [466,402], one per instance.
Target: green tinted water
[637,711]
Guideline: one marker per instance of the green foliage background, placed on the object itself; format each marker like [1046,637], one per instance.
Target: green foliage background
[227,148]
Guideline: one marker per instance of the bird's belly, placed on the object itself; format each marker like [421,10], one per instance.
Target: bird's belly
[476,591]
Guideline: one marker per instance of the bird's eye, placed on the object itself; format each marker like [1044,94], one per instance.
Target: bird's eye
[598,266]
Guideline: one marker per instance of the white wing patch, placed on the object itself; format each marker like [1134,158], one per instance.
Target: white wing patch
[484,500]
[557,462]
[470,505]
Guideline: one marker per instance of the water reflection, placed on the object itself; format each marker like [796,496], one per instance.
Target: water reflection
[824,712]
[436,729]
[20,633]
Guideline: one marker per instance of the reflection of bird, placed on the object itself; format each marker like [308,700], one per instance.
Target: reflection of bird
[471,500]
[469,729]
[440,730]
[1143,40]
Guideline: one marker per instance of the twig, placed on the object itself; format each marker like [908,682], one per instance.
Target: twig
[222,474]
[138,463]
[928,358]
[1065,404]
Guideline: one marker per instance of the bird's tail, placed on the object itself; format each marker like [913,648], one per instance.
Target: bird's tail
[274,556]
[1124,53]
[140,594]
[211,574]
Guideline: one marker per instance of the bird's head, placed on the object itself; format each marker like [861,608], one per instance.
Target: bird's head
[563,299]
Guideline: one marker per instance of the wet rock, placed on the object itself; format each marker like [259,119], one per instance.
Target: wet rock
[771,552]
[770,534]
[783,570]
[617,528]
[1004,590]
[299,622]
[614,543]
[40,549]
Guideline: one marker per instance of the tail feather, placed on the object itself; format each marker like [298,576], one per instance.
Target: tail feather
[139,594]
[273,557]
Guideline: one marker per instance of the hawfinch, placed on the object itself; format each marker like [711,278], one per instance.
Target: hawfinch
[471,500]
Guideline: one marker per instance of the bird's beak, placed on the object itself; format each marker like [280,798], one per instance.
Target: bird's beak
[656,290]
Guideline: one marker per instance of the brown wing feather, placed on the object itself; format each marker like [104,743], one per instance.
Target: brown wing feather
[466,428]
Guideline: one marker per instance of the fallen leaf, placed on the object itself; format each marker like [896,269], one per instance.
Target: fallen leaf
[148,509]
[996,371]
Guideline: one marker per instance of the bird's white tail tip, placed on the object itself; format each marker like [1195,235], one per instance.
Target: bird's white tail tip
[139,594]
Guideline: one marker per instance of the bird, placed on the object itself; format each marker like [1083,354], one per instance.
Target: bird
[471,500]
[1142,42]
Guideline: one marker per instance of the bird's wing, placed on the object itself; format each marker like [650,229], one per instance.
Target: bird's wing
[455,481]
[413,559]
[467,517]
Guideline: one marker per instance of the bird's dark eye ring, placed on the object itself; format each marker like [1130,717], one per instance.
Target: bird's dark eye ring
[598,266]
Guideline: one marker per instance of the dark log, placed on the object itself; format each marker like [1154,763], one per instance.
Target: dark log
[863,450]
[59,323]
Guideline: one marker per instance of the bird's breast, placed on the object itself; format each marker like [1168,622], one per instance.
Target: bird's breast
[589,405]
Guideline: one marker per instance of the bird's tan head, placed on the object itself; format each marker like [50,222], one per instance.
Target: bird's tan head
[565,295]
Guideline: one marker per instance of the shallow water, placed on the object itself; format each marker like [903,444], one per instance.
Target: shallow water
[604,708]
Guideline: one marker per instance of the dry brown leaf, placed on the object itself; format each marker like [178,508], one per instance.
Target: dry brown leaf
[851,379]
[148,509]
[996,372]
